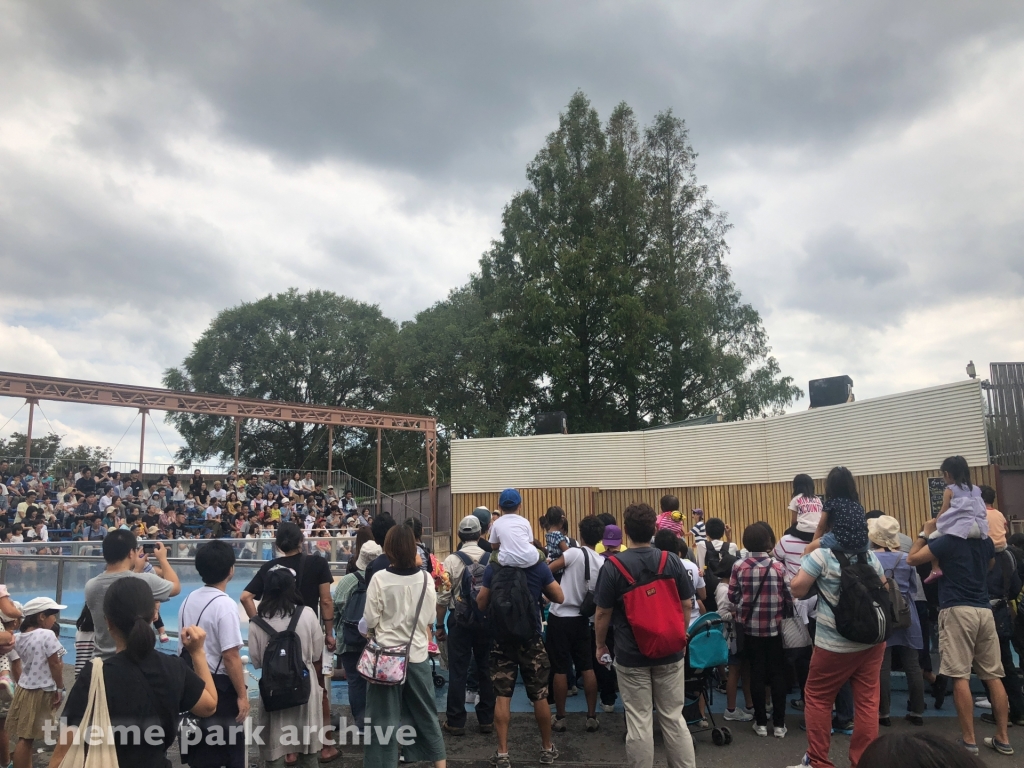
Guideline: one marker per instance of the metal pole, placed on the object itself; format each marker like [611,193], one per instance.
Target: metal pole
[377,511]
[28,436]
[142,438]
[238,437]
[330,451]
[431,442]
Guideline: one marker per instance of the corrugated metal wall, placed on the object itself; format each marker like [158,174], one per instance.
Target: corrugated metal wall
[908,432]
[904,495]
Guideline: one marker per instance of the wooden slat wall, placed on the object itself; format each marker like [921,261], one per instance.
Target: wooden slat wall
[903,495]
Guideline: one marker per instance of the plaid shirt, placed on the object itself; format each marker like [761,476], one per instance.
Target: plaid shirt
[774,602]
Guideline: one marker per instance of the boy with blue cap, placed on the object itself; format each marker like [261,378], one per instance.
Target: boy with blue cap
[511,534]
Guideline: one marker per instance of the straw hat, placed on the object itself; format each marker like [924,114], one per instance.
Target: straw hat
[884,532]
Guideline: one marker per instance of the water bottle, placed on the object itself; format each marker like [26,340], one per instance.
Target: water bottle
[327,663]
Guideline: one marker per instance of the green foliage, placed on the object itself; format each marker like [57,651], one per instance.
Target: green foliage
[51,446]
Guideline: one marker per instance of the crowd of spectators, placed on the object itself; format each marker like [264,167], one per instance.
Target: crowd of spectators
[85,505]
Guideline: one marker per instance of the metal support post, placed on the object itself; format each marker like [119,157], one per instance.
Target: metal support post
[142,438]
[431,442]
[330,451]
[238,438]
[28,435]
[379,500]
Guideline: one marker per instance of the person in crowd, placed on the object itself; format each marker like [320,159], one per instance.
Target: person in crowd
[362,536]
[998,527]
[670,519]
[758,589]
[144,688]
[10,673]
[968,638]
[697,531]
[556,542]
[41,684]
[917,750]
[122,554]
[483,514]
[280,599]
[805,506]
[645,684]
[717,542]
[400,602]
[836,660]
[510,656]
[883,532]
[843,525]
[611,542]
[349,503]
[380,528]
[1004,586]
[963,513]
[212,610]
[427,560]
[667,541]
[85,635]
[511,533]
[468,634]
[569,637]
[739,665]
[350,651]
[314,580]
[86,484]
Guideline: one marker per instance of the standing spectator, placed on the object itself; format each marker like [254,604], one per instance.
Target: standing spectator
[998,528]
[717,542]
[698,530]
[1004,585]
[144,688]
[645,683]
[122,554]
[212,610]
[512,656]
[569,639]
[670,519]
[968,637]
[758,589]
[278,606]
[469,640]
[883,532]
[313,577]
[556,542]
[352,586]
[400,604]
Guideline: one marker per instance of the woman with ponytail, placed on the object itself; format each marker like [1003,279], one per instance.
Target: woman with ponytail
[145,689]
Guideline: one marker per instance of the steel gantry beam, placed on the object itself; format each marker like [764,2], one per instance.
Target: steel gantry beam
[35,388]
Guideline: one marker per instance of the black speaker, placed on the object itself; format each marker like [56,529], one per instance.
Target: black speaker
[831,391]
[554,423]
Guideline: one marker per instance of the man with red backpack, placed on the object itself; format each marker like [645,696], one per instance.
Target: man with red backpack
[645,596]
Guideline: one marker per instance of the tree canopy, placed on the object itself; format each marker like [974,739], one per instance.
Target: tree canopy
[606,295]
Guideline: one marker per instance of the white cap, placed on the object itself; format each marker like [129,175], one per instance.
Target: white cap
[40,604]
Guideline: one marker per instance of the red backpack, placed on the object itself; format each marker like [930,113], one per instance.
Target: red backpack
[654,612]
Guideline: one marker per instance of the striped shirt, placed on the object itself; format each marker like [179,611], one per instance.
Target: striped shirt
[698,532]
[790,551]
[84,650]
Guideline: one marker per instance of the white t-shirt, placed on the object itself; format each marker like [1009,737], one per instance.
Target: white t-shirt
[104,502]
[35,648]
[574,586]
[698,583]
[718,544]
[221,494]
[808,512]
[211,513]
[217,615]
[513,534]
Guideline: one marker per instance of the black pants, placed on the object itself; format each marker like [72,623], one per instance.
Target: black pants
[607,681]
[464,644]
[767,666]
[1011,680]
[203,755]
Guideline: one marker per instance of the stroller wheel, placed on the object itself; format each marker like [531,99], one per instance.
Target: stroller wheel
[717,737]
[728,735]
[438,681]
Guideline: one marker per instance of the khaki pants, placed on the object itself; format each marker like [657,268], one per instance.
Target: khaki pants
[642,689]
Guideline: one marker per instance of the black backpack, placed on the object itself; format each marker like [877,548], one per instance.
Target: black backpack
[464,606]
[285,681]
[353,613]
[512,610]
[863,613]
[717,565]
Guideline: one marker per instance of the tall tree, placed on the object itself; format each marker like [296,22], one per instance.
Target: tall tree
[316,347]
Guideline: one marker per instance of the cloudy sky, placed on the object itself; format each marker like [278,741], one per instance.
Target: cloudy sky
[162,161]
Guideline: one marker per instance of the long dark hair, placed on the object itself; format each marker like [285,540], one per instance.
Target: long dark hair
[130,608]
[840,485]
[85,622]
[280,596]
[957,468]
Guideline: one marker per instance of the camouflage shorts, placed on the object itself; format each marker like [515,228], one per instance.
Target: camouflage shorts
[529,658]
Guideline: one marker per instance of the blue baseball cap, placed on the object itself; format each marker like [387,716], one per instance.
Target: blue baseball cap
[510,499]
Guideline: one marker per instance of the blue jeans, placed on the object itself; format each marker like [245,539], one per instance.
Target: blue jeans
[829,541]
[356,686]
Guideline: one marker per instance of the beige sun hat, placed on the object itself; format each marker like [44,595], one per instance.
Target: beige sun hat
[884,532]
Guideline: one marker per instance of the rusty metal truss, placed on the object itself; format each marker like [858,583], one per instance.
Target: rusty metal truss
[146,398]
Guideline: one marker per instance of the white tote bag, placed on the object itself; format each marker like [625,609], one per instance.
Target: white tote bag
[104,754]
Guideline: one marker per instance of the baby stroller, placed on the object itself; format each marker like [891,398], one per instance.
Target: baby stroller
[706,650]
[433,652]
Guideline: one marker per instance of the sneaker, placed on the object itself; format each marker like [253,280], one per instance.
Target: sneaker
[164,638]
[592,724]
[760,730]
[844,728]
[609,708]
[471,697]
[487,728]
[548,756]
[983,704]
[998,746]
[452,731]
[804,762]
[797,704]
[885,722]
[972,748]
[558,724]
[779,732]
[738,715]
[573,691]
[500,761]
[918,720]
